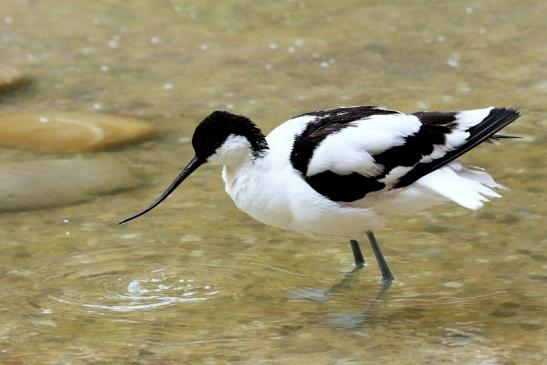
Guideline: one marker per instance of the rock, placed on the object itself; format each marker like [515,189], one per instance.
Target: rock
[70,132]
[11,78]
[43,184]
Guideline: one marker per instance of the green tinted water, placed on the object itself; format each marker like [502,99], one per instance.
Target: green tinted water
[196,281]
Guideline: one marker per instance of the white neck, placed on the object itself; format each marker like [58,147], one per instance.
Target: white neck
[235,151]
[243,177]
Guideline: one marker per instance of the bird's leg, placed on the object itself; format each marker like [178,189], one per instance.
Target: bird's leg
[358,259]
[358,263]
[387,276]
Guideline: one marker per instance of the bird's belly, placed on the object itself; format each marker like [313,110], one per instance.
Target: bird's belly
[261,205]
[287,202]
[332,220]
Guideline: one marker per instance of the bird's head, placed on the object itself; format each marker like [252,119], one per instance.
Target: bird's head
[224,138]
[221,138]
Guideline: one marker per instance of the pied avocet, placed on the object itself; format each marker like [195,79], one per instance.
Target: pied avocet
[339,173]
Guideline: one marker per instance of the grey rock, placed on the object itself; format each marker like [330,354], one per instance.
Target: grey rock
[43,184]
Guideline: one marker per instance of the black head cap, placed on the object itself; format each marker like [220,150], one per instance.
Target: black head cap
[211,133]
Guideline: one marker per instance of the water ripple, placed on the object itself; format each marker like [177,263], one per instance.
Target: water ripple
[147,294]
[108,283]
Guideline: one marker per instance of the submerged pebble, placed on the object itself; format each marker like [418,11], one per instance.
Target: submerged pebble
[70,132]
[453,284]
[11,78]
[43,184]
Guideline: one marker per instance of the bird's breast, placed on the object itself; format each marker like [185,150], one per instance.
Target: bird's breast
[257,193]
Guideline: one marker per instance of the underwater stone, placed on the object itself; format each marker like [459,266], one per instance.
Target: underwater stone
[11,78]
[70,132]
[44,184]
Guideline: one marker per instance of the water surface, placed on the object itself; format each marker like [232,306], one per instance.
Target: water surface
[196,281]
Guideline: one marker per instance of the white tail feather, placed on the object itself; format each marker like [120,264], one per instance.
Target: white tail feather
[466,186]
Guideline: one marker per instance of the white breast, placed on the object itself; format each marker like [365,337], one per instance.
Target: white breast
[259,187]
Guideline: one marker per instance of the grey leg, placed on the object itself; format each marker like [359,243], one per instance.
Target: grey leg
[358,259]
[387,276]
[358,263]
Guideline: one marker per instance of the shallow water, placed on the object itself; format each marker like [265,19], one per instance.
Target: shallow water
[196,281]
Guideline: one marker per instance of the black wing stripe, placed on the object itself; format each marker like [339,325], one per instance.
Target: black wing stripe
[497,119]
[442,118]
[344,188]
[417,145]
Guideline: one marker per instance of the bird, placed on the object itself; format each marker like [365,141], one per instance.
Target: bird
[344,172]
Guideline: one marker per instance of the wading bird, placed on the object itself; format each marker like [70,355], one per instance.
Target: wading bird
[339,173]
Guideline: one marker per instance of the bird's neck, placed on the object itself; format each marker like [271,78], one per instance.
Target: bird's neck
[244,180]
[248,160]
[255,152]
[244,169]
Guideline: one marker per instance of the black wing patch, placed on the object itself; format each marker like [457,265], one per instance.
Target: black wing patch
[436,118]
[435,126]
[497,119]
[343,188]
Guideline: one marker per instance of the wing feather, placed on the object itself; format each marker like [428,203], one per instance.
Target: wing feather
[347,153]
[477,126]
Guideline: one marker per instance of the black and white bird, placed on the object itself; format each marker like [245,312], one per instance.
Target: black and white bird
[341,173]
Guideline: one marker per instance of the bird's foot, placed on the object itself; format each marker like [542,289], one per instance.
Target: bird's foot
[388,278]
[357,267]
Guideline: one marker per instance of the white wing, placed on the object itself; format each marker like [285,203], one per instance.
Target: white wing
[353,147]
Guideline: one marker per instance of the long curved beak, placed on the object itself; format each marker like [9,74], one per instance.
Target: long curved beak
[192,166]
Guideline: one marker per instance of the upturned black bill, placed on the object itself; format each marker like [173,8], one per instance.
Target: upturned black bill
[192,166]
